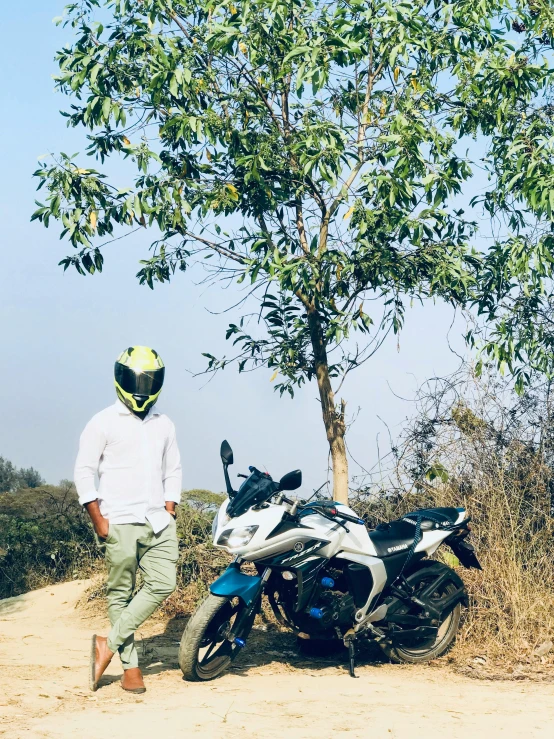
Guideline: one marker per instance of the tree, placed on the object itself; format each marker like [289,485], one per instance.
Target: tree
[309,150]
[8,476]
[12,479]
[30,478]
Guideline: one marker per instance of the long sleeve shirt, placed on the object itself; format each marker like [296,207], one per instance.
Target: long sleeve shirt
[137,462]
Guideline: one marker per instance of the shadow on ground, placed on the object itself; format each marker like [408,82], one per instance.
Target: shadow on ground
[267,645]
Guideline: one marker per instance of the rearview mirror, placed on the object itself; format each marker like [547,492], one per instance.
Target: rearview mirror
[291,481]
[226,452]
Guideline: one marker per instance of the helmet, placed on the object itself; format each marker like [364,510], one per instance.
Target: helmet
[139,376]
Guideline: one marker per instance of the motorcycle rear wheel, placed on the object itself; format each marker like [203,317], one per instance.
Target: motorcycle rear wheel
[205,651]
[448,628]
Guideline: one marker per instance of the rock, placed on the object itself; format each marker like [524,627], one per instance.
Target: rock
[543,649]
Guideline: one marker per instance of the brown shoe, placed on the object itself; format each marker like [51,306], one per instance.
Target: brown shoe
[132,681]
[100,658]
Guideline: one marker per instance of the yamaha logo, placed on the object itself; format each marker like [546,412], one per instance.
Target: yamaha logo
[398,548]
[298,547]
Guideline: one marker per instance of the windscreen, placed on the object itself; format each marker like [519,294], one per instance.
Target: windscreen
[256,489]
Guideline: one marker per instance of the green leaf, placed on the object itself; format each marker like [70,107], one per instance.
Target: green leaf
[296,52]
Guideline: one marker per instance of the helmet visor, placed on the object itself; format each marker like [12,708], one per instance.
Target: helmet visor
[139,382]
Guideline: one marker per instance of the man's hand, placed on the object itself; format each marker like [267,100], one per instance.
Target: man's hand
[101,524]
[102,527]
[170,508]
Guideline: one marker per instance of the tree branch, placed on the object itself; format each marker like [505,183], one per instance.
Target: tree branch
[216,247]
[362,128]
[300,228]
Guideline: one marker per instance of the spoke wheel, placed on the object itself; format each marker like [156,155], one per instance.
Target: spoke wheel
[205,651]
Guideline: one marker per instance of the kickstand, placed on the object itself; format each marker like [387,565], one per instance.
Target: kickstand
[351,657]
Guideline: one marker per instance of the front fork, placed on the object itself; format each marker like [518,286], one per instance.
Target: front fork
[234,635]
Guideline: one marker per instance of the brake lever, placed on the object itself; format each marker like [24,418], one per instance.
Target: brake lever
[352,519]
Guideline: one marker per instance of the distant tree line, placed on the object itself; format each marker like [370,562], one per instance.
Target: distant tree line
[13,478]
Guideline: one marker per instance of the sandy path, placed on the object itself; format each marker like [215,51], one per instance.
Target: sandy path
[44,643]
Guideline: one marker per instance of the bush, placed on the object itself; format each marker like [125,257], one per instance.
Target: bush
[45,538]
[199,561]
[475,444]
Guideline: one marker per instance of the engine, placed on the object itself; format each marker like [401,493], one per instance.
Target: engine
[332,606]
[331,609]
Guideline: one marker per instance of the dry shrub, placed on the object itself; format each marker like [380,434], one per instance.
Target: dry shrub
[475,444]
[199,561]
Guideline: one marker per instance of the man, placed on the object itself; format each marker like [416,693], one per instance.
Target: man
[132,447]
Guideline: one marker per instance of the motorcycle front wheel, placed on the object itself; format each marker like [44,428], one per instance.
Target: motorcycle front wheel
[205,651]
[448,627]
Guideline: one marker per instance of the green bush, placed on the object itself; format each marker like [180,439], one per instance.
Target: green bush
[45,537]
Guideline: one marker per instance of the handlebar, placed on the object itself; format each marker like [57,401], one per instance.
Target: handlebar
[333,512]
[348,517]
[337,513]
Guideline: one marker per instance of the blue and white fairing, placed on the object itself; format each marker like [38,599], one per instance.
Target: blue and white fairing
[264,534]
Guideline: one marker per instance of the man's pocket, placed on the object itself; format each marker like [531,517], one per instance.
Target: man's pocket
[102,541]
[169,541]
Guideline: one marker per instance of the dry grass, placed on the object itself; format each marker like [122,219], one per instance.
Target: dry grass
[475,445]
[512,611]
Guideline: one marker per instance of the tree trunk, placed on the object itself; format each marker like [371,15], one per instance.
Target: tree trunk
[333,419]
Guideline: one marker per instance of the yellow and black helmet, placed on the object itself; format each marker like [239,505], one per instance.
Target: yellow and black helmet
[139,376]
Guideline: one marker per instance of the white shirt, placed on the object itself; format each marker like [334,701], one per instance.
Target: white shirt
[137,462]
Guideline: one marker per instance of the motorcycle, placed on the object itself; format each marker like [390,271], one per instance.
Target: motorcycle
[327,577]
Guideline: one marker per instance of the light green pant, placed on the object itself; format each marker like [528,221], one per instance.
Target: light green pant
[128,547]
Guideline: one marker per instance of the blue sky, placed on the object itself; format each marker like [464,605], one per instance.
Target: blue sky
[62,332]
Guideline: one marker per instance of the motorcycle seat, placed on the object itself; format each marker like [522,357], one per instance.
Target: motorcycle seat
[392,538]
[398,536]
[440,516]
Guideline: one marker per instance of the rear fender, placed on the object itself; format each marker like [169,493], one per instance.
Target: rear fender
[235,584]
[465,553]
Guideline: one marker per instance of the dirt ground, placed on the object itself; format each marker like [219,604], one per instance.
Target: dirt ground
[44,645]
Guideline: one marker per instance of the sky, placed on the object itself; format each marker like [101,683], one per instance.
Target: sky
[62,332]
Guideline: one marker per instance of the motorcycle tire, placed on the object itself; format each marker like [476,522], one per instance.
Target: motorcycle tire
[207,631]
[448,628]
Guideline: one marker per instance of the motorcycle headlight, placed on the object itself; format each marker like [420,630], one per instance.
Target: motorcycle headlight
[234,538]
